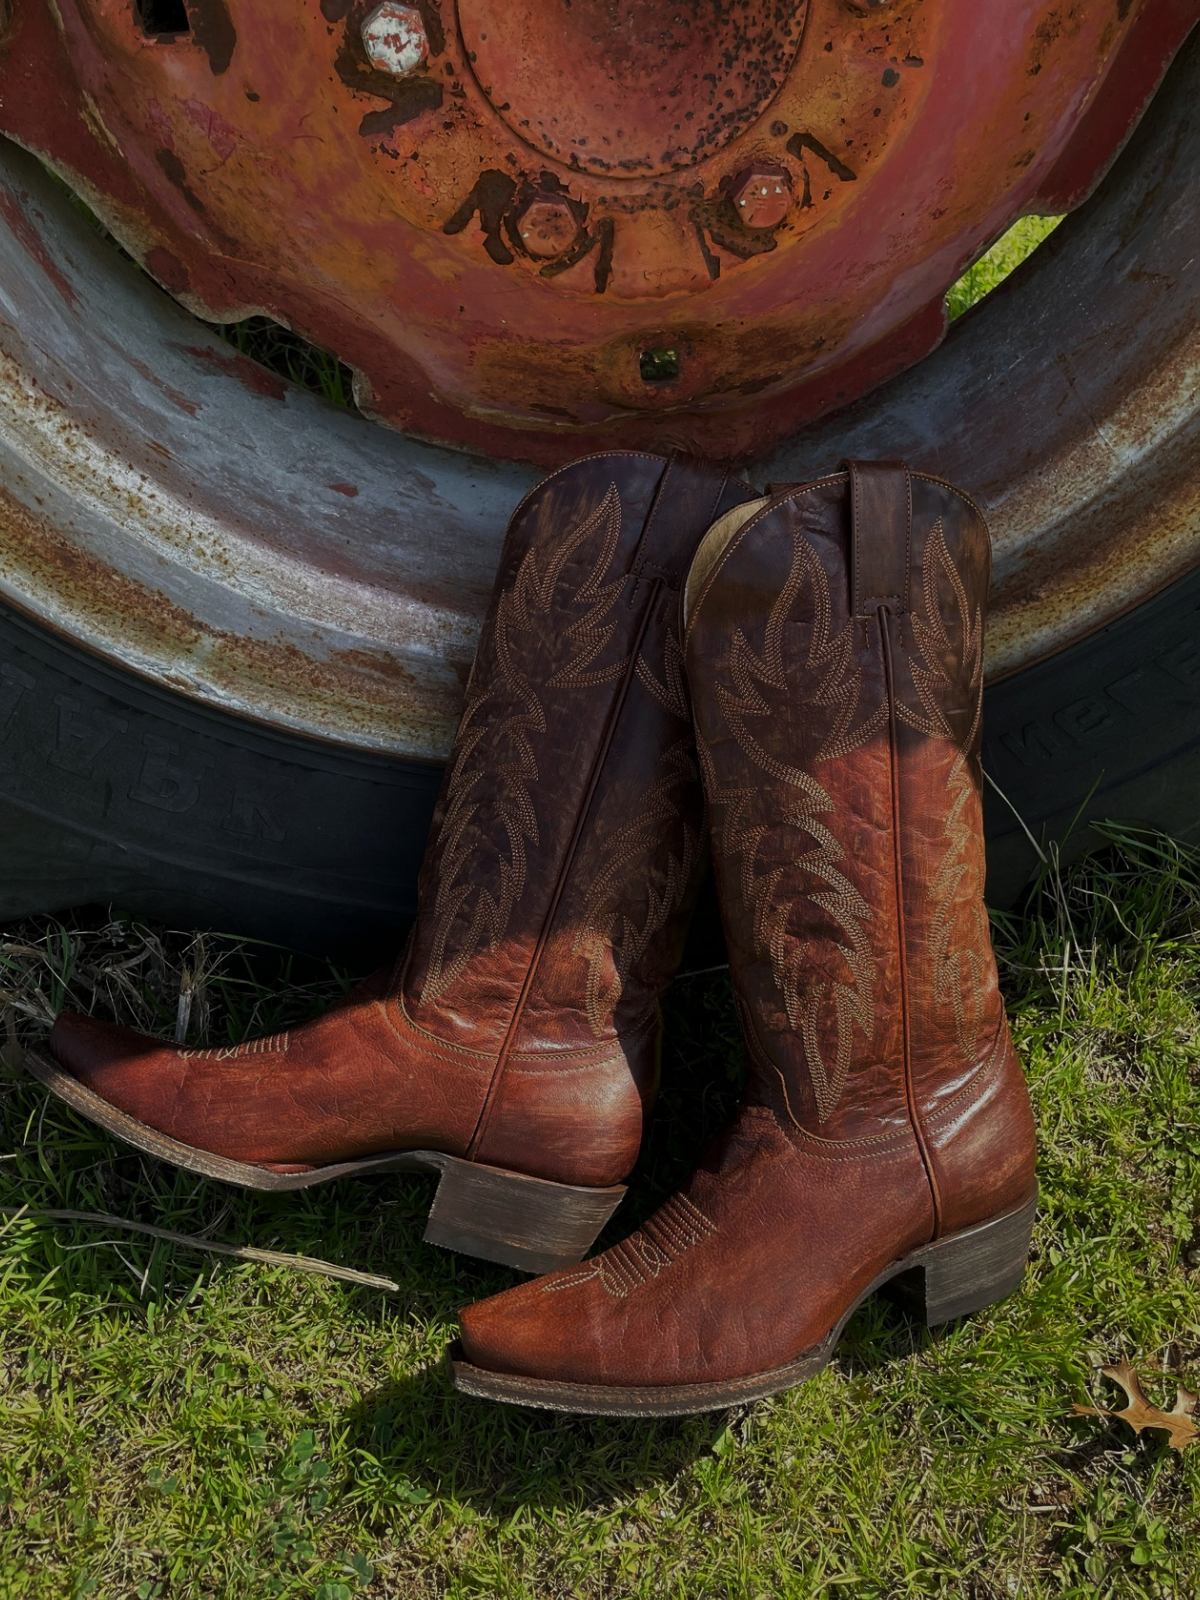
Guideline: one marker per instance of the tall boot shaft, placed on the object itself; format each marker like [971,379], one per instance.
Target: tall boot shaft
[565,847]
[839,731]
[553,896]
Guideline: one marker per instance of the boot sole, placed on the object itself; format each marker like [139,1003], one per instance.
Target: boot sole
[497,1215]
[950,1278]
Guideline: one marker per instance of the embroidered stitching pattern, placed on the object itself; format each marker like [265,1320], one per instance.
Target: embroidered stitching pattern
[523,607]
[854,1001]
[672,693]
[619,931]
[959,969]
[275,1044]
[673,1230]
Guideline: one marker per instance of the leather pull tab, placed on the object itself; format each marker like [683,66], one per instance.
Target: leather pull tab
[685,507]
[880,535]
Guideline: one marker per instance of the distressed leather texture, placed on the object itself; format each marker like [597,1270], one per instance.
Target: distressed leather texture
[520,1027]
[834,652]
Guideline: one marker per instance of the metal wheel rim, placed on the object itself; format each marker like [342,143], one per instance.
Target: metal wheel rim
[178,512]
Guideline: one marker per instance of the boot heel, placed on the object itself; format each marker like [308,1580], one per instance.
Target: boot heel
[522,1222]
[968,1270]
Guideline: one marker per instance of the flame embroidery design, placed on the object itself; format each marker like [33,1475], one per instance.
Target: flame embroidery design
[959,930]
[504,713]
[743,826]
[606,925]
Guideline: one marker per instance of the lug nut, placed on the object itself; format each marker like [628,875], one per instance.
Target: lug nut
[761,196]
[394,38]
[547,225]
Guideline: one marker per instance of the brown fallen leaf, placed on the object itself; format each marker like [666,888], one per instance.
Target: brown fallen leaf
[1177,1423]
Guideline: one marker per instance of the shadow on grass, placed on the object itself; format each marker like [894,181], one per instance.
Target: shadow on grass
[427,1437]
[425,1441]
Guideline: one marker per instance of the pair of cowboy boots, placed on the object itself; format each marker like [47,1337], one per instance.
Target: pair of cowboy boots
[814,672]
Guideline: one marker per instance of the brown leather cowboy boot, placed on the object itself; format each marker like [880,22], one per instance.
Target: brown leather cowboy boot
[514,1047]
[834,651]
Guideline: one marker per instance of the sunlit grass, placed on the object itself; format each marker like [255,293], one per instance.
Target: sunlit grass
[172,1425]
[1004,257]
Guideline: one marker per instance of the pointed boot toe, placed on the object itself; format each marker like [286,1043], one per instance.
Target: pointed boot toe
[126,1069]
[99,1054]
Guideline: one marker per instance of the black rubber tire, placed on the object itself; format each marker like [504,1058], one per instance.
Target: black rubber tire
[113,790]
[1109,729]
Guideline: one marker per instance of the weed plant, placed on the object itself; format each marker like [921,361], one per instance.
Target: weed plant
[174,1424]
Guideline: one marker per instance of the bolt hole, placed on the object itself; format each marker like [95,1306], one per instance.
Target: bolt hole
[161,18]
[659,365]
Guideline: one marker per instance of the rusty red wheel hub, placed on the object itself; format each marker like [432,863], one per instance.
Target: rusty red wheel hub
[539,226]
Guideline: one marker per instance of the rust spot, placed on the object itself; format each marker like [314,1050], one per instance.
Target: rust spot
[168,270]
[247,372]
[213,31]
[88,584]
[176,173]
[22,228]
[638,88]
[347,489]
[350,689]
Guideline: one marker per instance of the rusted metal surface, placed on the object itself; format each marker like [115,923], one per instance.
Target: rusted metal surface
[497,211]
[183,512]
[1069,401]
[175,508]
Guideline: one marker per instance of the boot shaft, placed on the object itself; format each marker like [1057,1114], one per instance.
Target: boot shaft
[564,847]
[834,647]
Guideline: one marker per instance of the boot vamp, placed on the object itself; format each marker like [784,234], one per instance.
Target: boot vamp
[743,1271]
[354,1082]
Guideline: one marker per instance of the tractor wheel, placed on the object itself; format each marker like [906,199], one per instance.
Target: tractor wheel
[236,623]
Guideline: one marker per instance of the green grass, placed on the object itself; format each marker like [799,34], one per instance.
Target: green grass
[173,1424]
[1004,257]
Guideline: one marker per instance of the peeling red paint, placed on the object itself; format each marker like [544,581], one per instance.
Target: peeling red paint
[248,373]
[14,216]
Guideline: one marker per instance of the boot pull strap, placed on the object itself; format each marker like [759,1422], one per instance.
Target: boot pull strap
[880,535]
[689,493]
